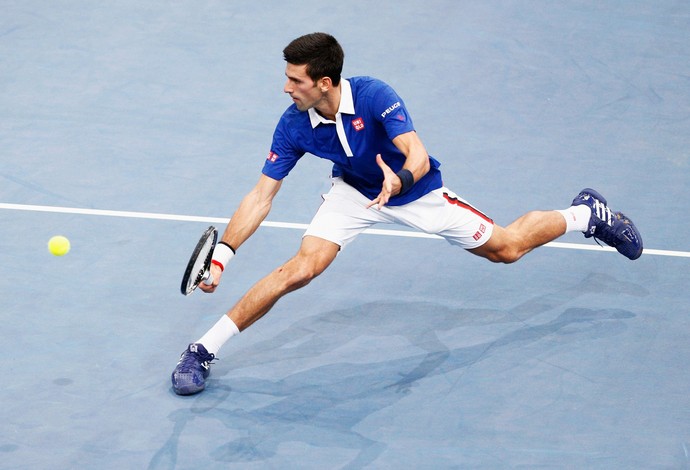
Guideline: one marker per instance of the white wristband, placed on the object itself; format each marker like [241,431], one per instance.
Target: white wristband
[222,254]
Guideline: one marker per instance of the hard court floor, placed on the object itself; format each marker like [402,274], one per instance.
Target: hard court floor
[129,127]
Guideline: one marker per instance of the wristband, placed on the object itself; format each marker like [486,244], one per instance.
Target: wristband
[406,180]
[222,254]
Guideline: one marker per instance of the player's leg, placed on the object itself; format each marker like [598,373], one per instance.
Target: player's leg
[342,216]
[444,213]
[534,229]
[589,213]
[339,220]
[314,256]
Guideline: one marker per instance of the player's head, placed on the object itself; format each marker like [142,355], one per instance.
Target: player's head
[320,52]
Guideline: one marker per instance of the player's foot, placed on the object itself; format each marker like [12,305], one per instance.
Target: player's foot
[189,376]
[612,228]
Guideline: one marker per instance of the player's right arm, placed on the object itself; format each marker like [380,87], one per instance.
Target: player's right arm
[253,209]
[251,212]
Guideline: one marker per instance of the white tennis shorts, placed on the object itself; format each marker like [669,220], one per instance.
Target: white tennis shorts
[344,215]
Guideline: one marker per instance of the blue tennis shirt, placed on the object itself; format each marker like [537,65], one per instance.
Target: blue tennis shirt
[370,116]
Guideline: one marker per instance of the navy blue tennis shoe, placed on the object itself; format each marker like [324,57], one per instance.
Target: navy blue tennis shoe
[189,376]
[612,228]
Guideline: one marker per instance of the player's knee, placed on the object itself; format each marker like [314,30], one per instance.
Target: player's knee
[298,273]
[509,258]
[505,255]
[500,248]
[310,261]
[303,276]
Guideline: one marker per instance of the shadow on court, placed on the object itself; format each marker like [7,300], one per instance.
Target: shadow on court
[328,406]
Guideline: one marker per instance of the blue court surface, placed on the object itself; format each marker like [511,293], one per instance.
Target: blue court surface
[130,127]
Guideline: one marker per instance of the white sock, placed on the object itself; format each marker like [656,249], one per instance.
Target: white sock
[576,218]
[219,334]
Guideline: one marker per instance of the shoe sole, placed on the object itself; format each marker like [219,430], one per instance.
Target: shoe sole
[638,236]
[184,391]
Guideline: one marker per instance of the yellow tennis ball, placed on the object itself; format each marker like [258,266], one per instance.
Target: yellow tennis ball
[58,245]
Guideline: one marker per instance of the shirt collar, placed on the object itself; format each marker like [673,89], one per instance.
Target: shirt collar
[346,106]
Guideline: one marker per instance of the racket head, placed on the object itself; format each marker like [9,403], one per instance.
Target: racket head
[198,267]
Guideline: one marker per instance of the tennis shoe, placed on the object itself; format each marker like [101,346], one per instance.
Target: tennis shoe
[189,376]
[612,228]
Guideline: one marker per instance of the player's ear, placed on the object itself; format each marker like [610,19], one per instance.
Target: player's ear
[325,84]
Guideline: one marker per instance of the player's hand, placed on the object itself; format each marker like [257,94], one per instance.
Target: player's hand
[391,185]
[216,273]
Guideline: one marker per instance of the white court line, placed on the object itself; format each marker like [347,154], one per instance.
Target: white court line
[391,233]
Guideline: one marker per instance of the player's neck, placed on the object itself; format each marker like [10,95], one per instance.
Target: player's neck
[329,105]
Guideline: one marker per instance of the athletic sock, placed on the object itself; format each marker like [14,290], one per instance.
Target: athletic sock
[576,218]
[219,334]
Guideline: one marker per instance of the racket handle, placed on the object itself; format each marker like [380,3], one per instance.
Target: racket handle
[208,278]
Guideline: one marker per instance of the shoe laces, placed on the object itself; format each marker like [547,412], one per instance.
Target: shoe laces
[193,357]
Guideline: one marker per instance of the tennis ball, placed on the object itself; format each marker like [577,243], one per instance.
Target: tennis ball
[58,245]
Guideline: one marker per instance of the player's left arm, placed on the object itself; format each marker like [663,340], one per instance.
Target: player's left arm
[416,162]
[416,156]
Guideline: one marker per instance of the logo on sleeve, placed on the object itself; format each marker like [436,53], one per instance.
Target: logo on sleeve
[390,109]
[272,156]
[358,124]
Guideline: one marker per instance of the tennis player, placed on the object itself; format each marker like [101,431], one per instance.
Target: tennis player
[382,173]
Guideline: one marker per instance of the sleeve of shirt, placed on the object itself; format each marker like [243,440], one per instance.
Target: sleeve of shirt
[284,154]
[390,110]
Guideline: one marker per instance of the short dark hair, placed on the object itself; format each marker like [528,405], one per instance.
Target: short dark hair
[320,52]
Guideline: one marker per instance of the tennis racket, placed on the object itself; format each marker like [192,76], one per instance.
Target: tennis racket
[199,265]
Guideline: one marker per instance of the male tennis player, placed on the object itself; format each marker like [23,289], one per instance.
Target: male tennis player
[381,174]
